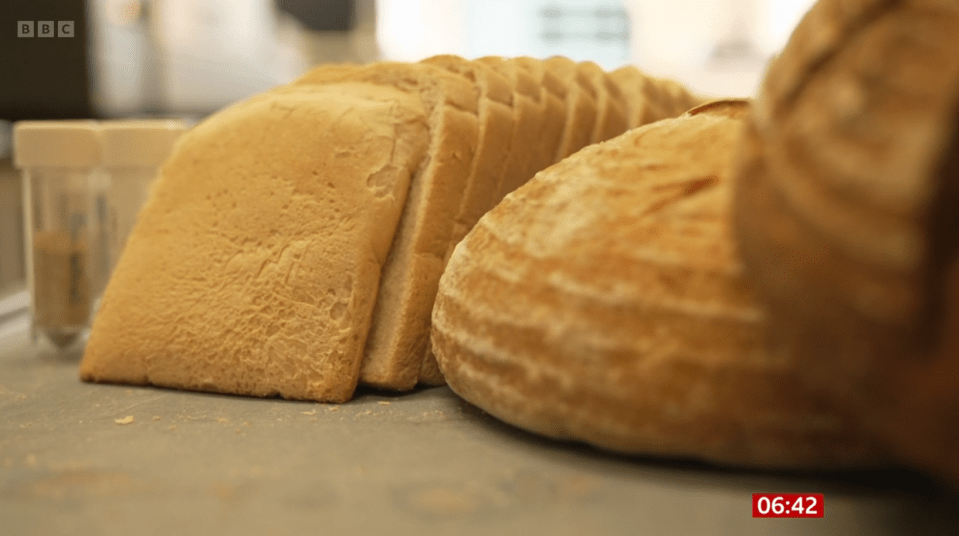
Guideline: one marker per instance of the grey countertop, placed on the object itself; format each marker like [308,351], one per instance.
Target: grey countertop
[78,458]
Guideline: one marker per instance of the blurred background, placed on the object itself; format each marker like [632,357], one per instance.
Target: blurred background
[188,58]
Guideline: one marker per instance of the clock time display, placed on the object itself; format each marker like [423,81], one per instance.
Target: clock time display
[788,505]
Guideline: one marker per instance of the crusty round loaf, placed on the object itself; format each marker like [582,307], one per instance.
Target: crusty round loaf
[604,302]
[845,203]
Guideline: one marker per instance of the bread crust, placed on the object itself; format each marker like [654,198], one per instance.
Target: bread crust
[604,302]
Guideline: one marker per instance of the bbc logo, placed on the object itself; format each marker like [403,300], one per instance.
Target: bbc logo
[45,28]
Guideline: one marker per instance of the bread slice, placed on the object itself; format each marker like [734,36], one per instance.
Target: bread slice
[580,107]
[254,266]
[649,99]
[610,111]
[528,122]
[399,333]
[496,123]
[539,117]
[553,110]
[604,302]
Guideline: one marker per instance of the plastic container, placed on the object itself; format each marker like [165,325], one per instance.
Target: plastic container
[133,151]
[60,167]
[84,183]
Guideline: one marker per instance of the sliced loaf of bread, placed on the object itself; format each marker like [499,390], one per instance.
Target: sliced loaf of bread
[254,267]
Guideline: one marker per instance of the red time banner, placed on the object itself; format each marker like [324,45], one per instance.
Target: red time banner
[788,505]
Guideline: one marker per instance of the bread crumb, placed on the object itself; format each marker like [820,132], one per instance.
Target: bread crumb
[311,412]
[333,408]
[246,423]
[172,427]
[384,402]
[26,425]
[238,430]
[126,420]
[31,460]
[156,417]
[222,420]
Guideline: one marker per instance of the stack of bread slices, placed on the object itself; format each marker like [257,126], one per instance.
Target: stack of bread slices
[293,242]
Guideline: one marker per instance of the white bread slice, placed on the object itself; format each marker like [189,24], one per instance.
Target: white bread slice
[496,123]
[649,99]
[553,109]
[254,266]
[528,121]
[580,107]
[610,111]
[399,333]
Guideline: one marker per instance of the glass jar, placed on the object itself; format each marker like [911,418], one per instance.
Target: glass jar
[59,161]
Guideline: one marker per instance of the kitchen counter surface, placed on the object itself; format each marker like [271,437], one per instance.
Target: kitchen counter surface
[79,458]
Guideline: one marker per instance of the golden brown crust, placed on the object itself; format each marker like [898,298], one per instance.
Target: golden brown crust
[604,302]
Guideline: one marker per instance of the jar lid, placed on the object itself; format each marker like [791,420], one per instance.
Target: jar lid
[56,144]
[139,142]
